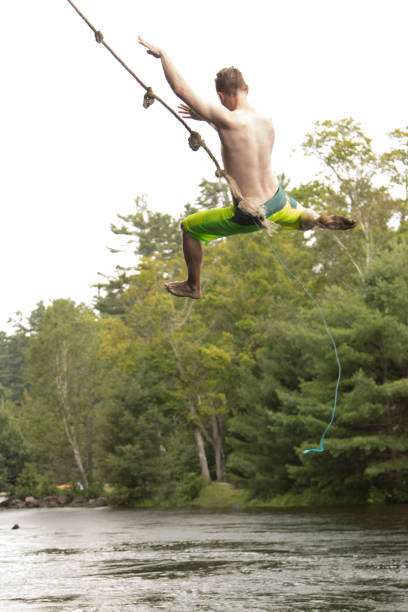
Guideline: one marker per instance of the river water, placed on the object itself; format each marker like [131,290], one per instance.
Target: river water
[101,559]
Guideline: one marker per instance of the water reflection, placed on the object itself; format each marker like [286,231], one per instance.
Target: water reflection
[100,560]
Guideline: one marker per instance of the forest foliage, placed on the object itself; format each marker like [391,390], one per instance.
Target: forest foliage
[155,396]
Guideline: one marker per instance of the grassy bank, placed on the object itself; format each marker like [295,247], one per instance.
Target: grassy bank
[223,495]
[220,495]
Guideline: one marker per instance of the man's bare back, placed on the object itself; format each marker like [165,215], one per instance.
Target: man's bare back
[247,145]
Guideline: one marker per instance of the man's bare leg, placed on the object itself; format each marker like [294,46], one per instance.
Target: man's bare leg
[193,255]
[311,219]
[335,222]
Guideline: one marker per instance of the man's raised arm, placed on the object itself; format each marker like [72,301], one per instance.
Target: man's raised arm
[212,114]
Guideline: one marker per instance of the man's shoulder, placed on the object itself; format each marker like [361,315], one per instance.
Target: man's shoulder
[245,118]
[262,116]
[254,118]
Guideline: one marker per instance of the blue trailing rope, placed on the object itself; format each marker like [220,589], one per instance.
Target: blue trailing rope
[321,447]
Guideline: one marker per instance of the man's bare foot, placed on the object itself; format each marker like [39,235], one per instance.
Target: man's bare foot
[335,222]
[183,289]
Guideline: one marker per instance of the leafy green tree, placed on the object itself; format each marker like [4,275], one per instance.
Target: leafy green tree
[27,482]
[12,354]
[347,185]
[149,232]
[265,429]
[247,374]
[147,344]
[12,449]
[367,458]
[65,377]
[396,161]
[213,194]
[167,324]
[152,232]
[12,364]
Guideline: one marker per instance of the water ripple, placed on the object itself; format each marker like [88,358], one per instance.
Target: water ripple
[99,560]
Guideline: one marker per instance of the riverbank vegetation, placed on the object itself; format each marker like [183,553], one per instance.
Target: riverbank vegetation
[160,397]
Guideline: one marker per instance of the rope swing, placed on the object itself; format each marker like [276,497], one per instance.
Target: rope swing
[256,213]
[195,140]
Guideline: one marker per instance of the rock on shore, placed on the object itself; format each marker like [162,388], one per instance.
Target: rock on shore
[31,502]
[54,501]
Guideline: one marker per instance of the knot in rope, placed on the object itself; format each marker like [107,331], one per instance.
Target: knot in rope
[195,141]
[249,206]
[149,98]
[220,173]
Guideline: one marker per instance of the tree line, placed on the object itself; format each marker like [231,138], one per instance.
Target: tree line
[156,396]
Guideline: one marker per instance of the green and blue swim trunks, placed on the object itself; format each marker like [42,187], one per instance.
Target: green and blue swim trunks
[208,225]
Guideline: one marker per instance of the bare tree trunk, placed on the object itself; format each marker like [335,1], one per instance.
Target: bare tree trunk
[366,233]
[205,472]
[90,443]
[353,261]
[61,382]
[218,449]
[70,431]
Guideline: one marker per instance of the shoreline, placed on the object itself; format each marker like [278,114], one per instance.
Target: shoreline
[215,496]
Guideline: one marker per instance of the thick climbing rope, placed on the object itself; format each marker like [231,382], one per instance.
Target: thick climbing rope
[196,142]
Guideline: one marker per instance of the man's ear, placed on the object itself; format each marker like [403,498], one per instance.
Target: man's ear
[221,96]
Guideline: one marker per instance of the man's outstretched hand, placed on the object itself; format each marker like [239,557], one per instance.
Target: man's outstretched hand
[188,113]
[155,51]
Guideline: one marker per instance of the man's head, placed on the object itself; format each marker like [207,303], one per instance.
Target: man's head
[229,84]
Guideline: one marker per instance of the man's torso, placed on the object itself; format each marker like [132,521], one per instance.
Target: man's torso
[246,150]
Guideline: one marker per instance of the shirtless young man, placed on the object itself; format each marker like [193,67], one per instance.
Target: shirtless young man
[247,140]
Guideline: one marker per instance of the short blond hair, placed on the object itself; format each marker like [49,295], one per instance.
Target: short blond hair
[230,81]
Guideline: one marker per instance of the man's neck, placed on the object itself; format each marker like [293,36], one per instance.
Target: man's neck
[242,102]
[238,101]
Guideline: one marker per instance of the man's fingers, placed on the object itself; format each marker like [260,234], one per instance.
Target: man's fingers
[185,111]
[151,49]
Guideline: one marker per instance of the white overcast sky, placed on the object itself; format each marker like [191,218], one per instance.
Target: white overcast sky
[77,147]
